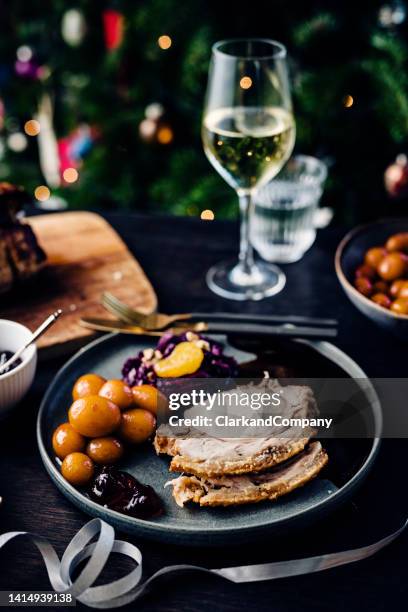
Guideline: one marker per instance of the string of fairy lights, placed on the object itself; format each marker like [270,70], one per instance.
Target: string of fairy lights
[164,135]
[148,127]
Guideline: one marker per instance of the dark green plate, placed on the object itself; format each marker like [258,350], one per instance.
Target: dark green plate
[194,525]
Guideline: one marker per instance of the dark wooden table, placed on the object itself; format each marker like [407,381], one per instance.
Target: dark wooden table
[175,254]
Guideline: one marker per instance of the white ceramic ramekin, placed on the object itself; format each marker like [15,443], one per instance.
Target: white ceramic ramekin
[15,384]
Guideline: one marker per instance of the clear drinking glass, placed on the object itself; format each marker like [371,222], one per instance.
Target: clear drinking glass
[248,134]
[283,221]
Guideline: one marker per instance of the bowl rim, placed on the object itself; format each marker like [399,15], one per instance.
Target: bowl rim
[28,355]
[345,241]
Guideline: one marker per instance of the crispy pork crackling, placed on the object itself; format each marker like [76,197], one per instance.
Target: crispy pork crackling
[251,488]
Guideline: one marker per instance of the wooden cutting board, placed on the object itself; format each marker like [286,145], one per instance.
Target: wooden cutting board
[85,257]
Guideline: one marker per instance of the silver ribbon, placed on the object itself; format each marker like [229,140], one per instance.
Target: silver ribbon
[129,588]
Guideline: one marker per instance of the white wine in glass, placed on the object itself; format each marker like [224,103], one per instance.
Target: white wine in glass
[248,134]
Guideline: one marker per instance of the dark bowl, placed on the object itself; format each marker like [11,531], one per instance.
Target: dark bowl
[350,254]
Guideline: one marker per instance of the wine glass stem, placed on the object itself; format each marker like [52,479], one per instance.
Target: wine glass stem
[246,253]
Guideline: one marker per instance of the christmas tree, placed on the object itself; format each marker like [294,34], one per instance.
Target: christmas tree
[100,103]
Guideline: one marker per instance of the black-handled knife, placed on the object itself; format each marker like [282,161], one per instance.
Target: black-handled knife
[287,330]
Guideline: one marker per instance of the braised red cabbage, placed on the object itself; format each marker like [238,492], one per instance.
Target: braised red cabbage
[139,371]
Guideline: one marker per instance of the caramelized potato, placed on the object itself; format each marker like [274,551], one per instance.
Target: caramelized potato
[400,306]
[381,287]
[77,468]
[88,384]
[398,242]
[396,286]
[364,286]
[117,392]
[105,450]
[149,398]
[366,271]
[66,440]
[374,256]
[381,299]
[403,290]
[94,416]
[393,266]
[137,425]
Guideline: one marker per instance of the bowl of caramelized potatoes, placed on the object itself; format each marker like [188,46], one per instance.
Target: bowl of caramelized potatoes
[372,267]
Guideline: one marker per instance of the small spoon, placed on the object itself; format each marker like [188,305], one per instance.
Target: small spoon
[38,332]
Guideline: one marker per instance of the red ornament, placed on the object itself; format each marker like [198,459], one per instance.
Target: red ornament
[113,24]
[73,148]
[396,177]
[65,158]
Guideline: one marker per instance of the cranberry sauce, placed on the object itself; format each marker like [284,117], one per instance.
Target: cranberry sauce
[120,491]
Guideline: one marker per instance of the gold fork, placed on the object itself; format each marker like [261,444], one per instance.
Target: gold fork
[159,321]
[151,322]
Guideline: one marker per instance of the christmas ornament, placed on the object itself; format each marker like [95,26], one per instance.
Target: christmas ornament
[73,148]
[64,155]
[73,27]
[396,177]
[47,142]
[113,25]
[81,141]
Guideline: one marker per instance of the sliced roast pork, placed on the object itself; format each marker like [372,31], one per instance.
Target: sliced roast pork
[202,454]
[251,488]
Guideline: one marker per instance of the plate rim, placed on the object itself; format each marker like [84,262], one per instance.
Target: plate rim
[145,526]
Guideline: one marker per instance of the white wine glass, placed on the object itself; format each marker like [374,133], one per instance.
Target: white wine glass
[248,133]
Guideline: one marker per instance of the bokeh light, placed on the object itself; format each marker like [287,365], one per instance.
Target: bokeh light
[24,53]
[164,42]
[154,111]
[348,101]
[32,127]
[245,82]
[207,215]
[17,142]
[42,193]
[43,72]
[70,175]
[147,129]
[165,135]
